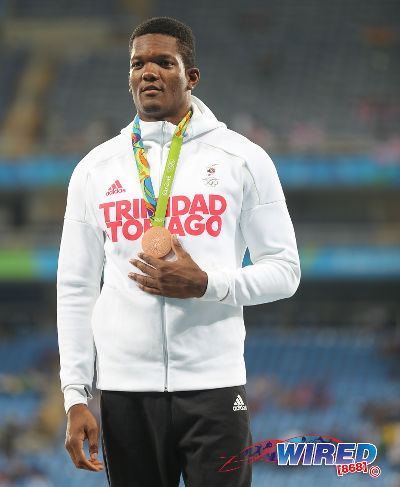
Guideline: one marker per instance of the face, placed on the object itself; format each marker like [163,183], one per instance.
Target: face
[158,81]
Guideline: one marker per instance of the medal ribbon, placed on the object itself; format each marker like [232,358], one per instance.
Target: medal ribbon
[157,210]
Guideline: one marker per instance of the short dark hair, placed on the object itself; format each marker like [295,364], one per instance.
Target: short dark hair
[170,27]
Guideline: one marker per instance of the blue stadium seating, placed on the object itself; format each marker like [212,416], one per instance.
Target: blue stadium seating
[348,362]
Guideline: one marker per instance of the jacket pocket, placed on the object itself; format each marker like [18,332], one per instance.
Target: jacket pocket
[105,313]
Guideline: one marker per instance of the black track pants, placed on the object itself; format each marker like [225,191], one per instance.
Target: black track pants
[149,438]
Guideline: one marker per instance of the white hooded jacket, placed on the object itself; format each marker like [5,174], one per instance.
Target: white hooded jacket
[226,196]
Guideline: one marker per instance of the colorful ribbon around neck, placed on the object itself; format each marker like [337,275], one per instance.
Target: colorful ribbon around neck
[157,209]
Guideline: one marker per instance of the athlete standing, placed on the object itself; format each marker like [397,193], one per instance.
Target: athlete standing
[166,329]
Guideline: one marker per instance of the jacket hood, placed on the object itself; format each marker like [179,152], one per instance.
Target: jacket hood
[202,121]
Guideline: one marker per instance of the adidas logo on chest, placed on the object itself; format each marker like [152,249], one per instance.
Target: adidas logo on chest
[239,405]
[115,188]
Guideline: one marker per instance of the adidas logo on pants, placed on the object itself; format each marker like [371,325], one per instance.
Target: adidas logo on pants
[239,405]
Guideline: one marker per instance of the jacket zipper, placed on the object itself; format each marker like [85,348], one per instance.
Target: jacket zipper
[165,346]
[164,331]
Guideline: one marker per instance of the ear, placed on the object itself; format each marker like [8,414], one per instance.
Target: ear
[129,82]
[193,77]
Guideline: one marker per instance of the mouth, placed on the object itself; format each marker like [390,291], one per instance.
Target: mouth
[151,90]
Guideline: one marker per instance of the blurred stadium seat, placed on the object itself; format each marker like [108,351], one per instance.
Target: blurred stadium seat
[12,63]
[46,9]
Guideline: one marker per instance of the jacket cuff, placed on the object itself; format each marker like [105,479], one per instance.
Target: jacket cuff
[75,394]
[217,286]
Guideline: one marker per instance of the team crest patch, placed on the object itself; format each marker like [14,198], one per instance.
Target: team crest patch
[211,179]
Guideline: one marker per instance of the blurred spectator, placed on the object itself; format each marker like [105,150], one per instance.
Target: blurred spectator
[391,435]
[305,395]
[9,436]
[306,137]
[259,390]
[379,36]
[269,62]
[28,382]
[247,125]
[378,115]
[18,471]
[388,150]
[262,390]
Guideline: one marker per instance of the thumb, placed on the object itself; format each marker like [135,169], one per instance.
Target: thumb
[93,443]
[177,247]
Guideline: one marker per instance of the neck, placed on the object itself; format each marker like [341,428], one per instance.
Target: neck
[174,119]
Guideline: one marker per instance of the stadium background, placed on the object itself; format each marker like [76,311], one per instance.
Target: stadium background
[314,82]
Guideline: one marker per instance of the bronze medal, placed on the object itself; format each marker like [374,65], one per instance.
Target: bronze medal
[156,242]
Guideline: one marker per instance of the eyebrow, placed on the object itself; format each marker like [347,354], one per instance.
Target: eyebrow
[157,56]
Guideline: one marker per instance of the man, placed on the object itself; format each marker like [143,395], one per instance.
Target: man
[167,330]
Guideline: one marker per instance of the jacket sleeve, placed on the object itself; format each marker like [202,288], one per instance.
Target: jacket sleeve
[268,232]
[79,271]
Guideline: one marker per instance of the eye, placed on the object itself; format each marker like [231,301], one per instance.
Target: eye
[165,63]
[136,64]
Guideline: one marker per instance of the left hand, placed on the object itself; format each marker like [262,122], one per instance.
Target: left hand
[181,278]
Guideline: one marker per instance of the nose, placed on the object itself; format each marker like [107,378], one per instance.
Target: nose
[150,72]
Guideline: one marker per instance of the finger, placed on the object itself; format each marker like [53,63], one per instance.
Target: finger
[80,460]
[150,290]
[71,452]
[96,462]
[177,246]
[144,280]
[99,463]
[144,267]
[68,446]
[92,435]
[153,261]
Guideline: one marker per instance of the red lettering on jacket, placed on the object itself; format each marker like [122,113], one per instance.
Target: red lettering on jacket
[106,208]
[210,227]
[214,198]
[135,208]
[126,215]
[196,228]
[176,203]
[132,229]
[114,226]
[122,209]
[199,205]
[175,226]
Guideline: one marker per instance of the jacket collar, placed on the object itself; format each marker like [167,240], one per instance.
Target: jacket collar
[203,120]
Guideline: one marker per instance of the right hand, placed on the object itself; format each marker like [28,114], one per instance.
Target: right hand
[81,425]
